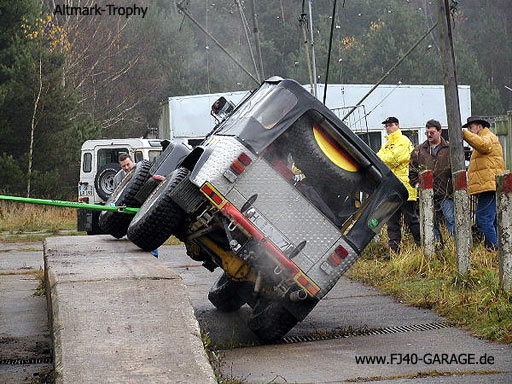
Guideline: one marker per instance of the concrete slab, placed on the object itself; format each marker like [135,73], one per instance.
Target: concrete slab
[24,332]
[349,305]
[320,362]
[119,315]
[19,257]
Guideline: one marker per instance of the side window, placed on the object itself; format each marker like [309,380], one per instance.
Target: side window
[87,162]
[110,155]
[153,155]
[138,156]
[412,135]
[372,139]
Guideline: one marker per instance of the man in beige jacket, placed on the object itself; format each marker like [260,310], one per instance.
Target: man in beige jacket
[485,163]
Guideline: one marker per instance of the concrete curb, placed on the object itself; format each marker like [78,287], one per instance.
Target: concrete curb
[118,315]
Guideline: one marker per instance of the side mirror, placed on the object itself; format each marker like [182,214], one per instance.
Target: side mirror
[222,108]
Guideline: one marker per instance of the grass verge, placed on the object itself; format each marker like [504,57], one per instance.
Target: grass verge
[172,241]
[35,237]
[15,217]
[476,303]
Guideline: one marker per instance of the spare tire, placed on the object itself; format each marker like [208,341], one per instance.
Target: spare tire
[116,223]
[336,184]
[316,165]
[159,217]
[104,180]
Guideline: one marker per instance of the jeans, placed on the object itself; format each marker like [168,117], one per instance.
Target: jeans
[485,214]
[446,207]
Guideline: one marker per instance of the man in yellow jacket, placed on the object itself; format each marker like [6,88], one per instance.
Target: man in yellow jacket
[485,163]
[395,153]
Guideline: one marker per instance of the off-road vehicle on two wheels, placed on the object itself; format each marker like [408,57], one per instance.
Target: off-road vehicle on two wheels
[274,197]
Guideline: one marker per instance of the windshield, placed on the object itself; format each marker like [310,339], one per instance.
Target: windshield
[254,120]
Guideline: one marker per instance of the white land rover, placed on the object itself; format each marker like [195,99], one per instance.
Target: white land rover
[98,166]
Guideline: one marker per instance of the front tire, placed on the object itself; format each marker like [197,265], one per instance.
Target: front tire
[224,294]
[114,223]
[272,321]
[159,217]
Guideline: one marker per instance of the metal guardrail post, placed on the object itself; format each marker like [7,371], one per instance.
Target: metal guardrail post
[427,212]
[504,213]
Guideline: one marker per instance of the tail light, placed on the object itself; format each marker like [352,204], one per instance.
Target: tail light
[237,167]
[335,258]
[84,200]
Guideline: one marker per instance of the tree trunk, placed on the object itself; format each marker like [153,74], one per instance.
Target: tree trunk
[33,126]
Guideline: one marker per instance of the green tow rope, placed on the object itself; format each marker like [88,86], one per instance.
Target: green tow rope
[70,204]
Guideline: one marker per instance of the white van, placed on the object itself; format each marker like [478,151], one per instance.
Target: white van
[98,166]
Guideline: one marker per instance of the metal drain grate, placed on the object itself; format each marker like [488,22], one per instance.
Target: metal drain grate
[364,332]
[40,360]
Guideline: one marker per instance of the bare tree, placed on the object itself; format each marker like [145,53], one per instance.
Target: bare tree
[98,61]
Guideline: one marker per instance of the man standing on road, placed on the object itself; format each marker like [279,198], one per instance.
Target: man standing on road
[485,163]
[395,153]
[127,164]
[434,154]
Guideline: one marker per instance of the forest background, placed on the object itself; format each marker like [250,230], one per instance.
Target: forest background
[66,79]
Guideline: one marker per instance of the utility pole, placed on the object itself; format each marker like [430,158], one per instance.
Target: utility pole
[313,64]
[451,95]
[257,38]
[303,25]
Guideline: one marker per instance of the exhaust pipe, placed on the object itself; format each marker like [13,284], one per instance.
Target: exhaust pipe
[298,295]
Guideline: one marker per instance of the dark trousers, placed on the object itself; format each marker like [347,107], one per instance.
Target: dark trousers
[408,211]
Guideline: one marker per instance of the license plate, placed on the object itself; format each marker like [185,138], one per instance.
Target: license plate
[84,191]
[268,230]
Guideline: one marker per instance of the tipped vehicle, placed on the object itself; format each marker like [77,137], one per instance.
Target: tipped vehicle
[281,195]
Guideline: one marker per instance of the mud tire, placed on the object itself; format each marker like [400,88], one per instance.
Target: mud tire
[114,223]
[271,322]
[159,217]
[223,294]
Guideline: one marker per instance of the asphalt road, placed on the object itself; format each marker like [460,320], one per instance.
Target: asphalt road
[348,308]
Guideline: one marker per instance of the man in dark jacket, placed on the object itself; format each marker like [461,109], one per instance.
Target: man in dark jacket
[434,154]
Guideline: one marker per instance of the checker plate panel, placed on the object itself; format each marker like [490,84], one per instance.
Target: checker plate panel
[226,150]
[288,210]
[301,260]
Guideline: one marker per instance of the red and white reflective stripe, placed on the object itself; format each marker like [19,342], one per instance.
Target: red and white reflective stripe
[213,195]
